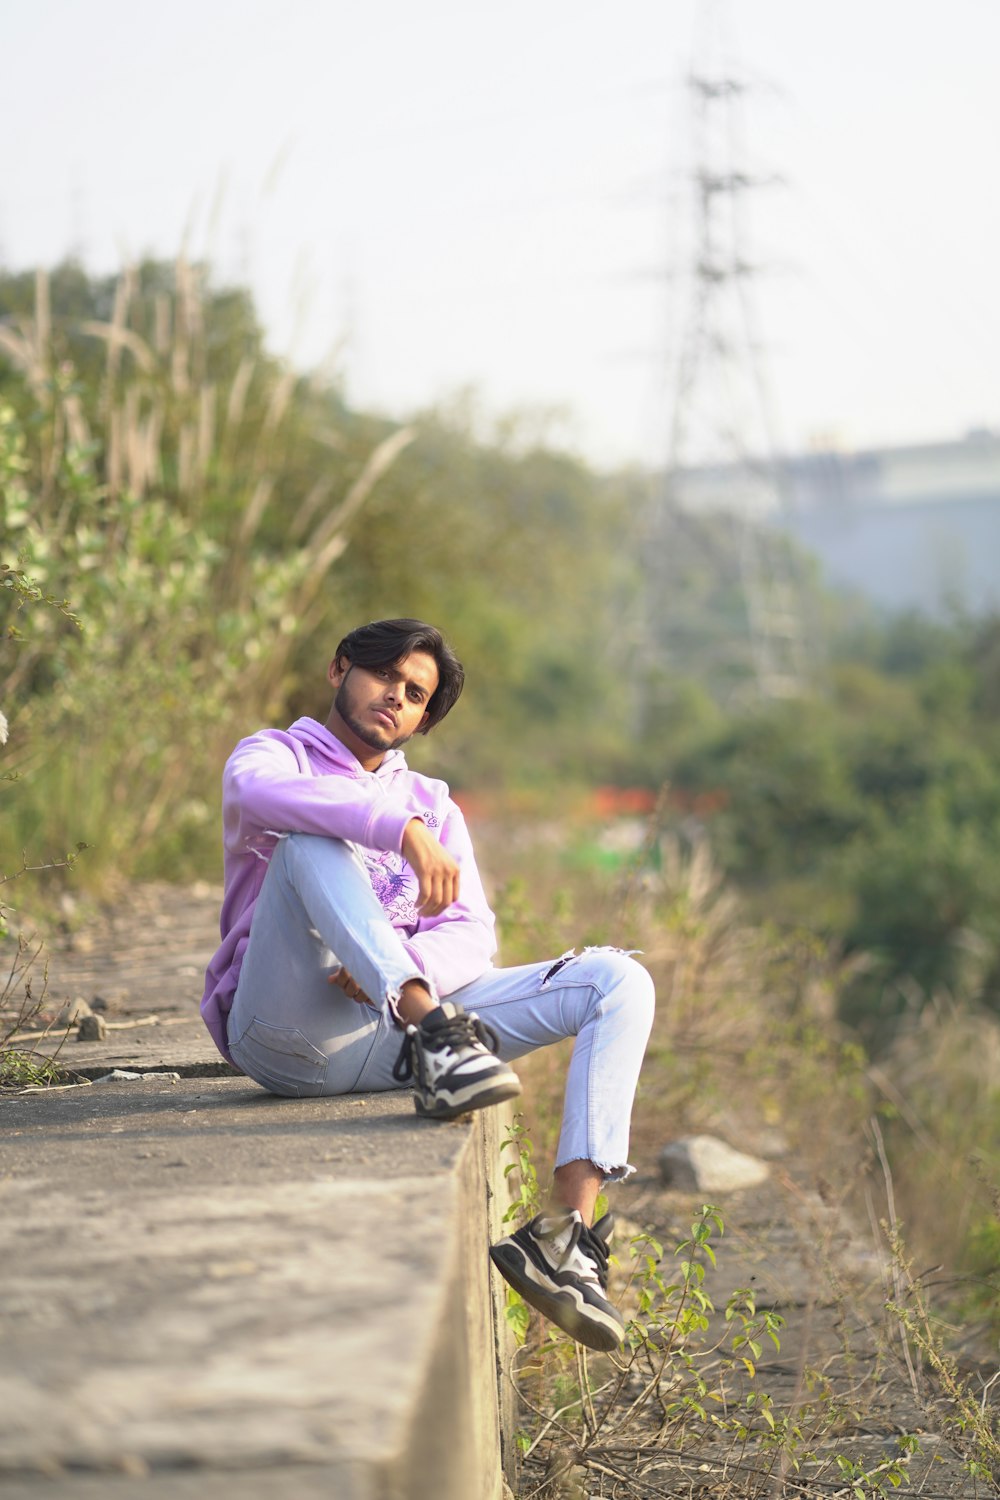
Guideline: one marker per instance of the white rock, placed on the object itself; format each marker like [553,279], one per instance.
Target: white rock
[704,1164]
[121,1075]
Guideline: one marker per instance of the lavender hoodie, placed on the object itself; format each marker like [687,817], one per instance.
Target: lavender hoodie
[303,780]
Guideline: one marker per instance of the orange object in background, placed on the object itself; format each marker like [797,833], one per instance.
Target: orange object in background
[621,801]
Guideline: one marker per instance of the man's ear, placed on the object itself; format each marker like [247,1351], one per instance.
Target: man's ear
[338,670]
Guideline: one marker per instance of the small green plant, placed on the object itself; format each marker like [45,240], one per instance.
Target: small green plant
[21,1005]
[525,1203]
[20,1070]
[878,1480]
[526,1197]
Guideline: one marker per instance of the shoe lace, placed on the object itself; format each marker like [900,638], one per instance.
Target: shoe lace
[594,1247]
[457,1031]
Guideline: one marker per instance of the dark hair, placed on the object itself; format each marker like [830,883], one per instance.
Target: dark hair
[384,642]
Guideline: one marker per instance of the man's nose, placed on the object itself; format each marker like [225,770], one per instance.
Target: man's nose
[394,692]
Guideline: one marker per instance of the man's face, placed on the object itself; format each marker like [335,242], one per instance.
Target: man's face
[377,709]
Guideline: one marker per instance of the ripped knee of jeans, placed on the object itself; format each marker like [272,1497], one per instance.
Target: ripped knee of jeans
[571,954]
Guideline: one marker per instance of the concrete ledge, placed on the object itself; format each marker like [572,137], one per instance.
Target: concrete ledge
[200,1280]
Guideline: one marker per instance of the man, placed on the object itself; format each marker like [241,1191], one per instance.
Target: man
[357,945]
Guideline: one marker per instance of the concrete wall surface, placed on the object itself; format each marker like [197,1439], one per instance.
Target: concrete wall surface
[211,1291]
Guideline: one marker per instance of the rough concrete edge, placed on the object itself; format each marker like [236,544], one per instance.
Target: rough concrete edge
[459,1440]
[88,1072]
[494,1125]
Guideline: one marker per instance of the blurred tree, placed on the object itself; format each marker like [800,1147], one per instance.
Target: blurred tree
[984,662]
[520,556]
[927,911]
[788,797]
[198,493]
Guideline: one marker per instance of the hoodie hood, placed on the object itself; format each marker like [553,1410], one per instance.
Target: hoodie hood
[328,756]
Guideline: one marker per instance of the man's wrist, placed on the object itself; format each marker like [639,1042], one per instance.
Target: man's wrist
[415,1001]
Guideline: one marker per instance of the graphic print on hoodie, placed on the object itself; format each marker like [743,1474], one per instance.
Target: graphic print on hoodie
[394,883]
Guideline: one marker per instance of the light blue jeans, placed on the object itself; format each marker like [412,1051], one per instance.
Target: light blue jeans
[296,1034]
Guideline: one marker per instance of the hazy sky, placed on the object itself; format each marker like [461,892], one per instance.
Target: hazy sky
[453,193]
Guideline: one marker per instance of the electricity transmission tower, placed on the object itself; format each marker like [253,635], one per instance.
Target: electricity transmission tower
[722,423]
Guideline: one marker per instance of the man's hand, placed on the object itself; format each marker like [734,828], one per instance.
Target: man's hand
[349,985]
[433,866]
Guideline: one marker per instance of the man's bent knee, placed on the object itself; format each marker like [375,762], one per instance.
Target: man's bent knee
[613,972]
[617,966]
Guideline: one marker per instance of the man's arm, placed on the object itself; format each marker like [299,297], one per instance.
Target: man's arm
[460,945]
[437,872]
[457,944]
[265,789]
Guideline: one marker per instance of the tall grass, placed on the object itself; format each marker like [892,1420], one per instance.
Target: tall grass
[165,496]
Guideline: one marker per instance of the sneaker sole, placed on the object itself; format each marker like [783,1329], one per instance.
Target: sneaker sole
[470,1099]
[562,1306]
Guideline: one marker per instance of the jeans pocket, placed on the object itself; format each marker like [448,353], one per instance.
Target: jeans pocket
[281,1059]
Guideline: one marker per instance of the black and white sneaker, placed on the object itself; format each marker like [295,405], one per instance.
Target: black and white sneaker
[561,1267]
[451,1057]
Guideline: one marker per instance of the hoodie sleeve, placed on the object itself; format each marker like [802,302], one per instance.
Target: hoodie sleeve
[453,949]
[265,790]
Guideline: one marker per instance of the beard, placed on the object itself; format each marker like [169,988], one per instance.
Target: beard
[369,734]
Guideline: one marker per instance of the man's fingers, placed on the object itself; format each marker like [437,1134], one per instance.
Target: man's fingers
[438,890]
[428,903]
[437,873]
[349,985]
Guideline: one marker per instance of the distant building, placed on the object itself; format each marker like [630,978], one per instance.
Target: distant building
[909,527]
